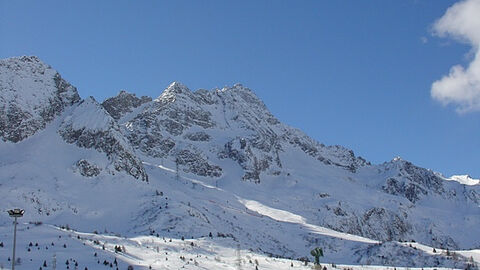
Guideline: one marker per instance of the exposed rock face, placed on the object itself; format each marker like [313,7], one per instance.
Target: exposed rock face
[123,103]
[199,136]
[86,169]
[33,94]
[247,152]
[243,128]
[385,225]
[194,162]
[389,253]
[329,155]
[155,129]
[378,223]
[90,126]
[411,181]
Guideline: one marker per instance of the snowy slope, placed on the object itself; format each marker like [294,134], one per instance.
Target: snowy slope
[79,250]
[218,162]
[464,179]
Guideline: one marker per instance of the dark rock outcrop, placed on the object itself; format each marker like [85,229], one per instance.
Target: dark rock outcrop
[123,103]
[87,169]
[412,182]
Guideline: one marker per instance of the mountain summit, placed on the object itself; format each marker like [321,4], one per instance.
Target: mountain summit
[32,95]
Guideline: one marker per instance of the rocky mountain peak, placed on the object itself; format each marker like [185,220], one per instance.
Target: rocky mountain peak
[240,93]
[123,103]
[32,95]
[411,181]
[397,159]
[25,63]
[180,123]
[177,87]
[173,91]
[123,93]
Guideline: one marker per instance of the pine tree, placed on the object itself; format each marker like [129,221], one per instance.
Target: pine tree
[317,253]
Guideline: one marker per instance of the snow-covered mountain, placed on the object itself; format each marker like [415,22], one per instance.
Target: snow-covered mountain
[217,165]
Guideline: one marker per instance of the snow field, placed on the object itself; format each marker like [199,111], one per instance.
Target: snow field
[92,250]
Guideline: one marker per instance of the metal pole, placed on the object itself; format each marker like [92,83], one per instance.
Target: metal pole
[14,243]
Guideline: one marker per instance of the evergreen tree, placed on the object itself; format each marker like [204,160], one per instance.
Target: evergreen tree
[317,253]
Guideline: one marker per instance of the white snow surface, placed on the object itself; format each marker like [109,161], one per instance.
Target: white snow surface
[464,179]
[53,245]
[285,216]
[89,114]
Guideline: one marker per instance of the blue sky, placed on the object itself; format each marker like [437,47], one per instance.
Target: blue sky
[354,73]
